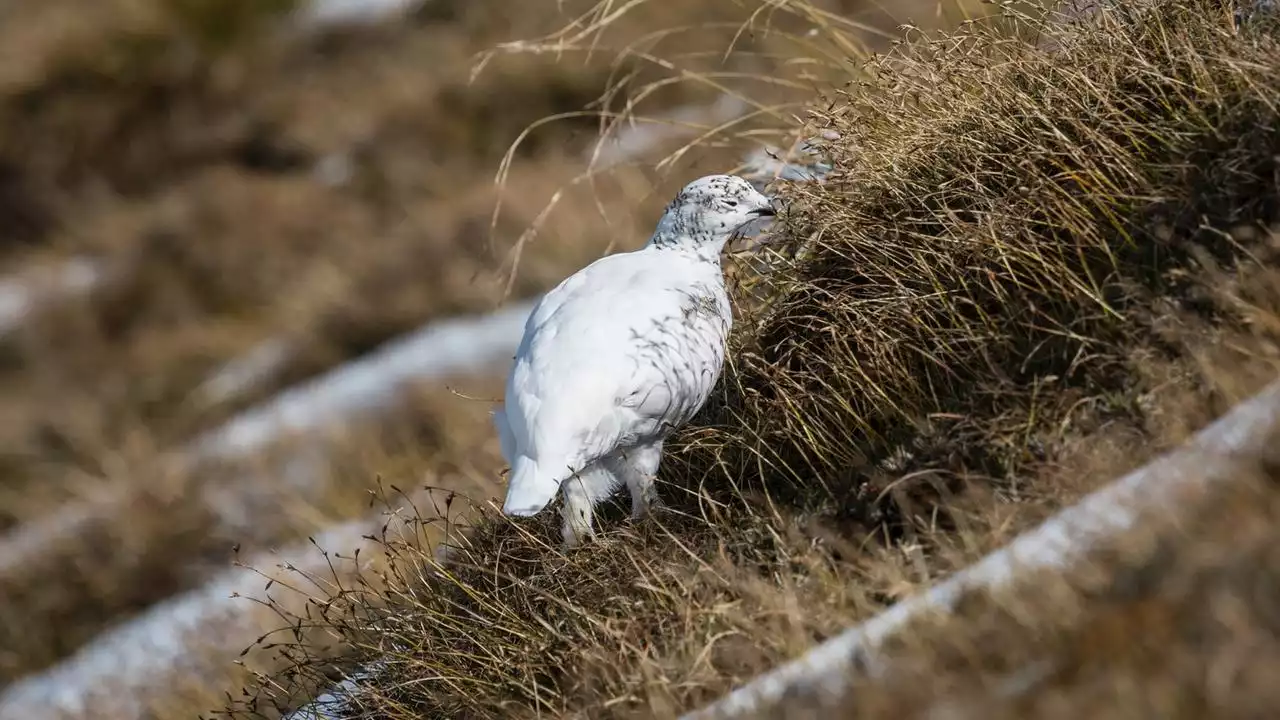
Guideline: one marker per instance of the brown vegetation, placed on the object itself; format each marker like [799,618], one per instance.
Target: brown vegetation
[1046,253]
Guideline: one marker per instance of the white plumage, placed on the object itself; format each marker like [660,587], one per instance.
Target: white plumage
[618,355]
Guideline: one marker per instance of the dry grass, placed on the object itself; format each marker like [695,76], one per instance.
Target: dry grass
[1006,232]
[1171,618]
[1046,253]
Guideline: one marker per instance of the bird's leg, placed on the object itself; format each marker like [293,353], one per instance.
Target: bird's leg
[644,494]
[638,467]
[582,492]
[577,511]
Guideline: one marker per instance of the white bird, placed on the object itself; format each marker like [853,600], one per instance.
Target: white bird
[619,354]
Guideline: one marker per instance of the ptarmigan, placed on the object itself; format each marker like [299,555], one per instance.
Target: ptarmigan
[619,354]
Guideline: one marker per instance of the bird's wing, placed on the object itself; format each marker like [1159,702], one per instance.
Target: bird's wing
[617,351]
[678,363]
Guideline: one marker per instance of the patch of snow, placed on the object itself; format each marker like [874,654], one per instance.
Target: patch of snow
[1247,10]
[335,169]
[244,374]
[448,347]
[32,539]
[322,13]
[333,704]
[20,295]
[803,164]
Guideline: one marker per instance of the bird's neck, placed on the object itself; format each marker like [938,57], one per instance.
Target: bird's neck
[671,234]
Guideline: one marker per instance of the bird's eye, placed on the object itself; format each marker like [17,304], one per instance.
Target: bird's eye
[731,203]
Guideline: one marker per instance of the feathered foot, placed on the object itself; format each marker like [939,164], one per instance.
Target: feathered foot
[581,494]
[644,496]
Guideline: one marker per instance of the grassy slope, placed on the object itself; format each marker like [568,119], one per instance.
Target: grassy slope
[1036,265]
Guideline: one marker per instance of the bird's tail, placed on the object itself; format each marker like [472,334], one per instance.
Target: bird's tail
[530,489]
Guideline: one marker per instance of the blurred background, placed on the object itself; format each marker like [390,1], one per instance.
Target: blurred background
[262,258]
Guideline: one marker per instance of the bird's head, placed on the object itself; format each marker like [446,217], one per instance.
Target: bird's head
[707,211]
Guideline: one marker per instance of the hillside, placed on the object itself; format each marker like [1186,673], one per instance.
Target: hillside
[256,270]
[1044,254]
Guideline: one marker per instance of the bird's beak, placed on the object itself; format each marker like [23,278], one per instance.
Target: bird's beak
[766,211]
